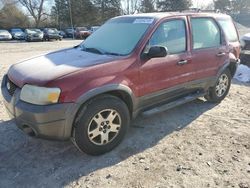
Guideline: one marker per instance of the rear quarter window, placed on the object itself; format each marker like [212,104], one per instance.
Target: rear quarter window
[229,29]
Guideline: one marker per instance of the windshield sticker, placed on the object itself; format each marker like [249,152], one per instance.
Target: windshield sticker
[143,21]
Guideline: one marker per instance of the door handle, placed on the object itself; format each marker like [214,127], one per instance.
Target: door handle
[220,54]
[182,62]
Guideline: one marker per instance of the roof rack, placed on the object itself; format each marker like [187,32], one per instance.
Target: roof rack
[195,10]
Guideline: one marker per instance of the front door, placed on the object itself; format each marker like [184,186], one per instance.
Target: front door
[160,75]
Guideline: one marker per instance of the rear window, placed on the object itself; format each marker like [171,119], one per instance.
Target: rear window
[229,30]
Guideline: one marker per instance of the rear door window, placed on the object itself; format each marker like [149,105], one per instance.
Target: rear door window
[206,33]
[229,30]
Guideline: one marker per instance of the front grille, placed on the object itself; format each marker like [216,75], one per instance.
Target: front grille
[11,87]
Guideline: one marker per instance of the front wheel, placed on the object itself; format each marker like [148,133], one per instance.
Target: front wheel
[218,92]
[101,125]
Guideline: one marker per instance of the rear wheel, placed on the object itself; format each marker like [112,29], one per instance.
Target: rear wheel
[101,125]
[220,90]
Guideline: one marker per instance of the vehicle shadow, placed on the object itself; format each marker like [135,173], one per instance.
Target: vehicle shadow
[29,162]
[236,82]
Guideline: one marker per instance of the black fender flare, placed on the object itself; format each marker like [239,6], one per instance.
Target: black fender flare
[231,64]
[73,111]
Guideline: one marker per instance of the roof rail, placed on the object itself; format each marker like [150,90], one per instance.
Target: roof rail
[199,10]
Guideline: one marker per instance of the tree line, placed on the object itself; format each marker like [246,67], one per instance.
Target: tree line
[61,13]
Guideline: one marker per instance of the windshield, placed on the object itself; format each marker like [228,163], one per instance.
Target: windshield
[3,31]
[52,31]
[118,36]
[16,30]
[81,29]
[69,30]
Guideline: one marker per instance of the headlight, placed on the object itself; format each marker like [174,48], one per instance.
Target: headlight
[39,95]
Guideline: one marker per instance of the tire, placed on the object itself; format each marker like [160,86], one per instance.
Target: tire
[101,125]
[218,92]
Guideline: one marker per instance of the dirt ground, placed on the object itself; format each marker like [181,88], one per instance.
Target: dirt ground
[196,145]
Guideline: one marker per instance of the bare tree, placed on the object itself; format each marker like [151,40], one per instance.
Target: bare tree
[131,6]
[12,16]
[35,8]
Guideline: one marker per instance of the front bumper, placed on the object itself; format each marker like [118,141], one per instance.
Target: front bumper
[5,38]
[54,37]
[34,38]
[18,37]
[47,121]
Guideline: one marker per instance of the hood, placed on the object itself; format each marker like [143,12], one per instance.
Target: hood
[4,33]
[45,68]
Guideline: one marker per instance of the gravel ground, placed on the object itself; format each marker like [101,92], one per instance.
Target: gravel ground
[195,145]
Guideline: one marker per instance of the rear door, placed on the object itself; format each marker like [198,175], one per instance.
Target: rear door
[209,49]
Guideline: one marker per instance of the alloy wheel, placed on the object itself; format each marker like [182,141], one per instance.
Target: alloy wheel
[104,127]
[222,85]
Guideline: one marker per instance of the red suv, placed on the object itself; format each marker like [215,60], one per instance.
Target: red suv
[144,63]
[82,33]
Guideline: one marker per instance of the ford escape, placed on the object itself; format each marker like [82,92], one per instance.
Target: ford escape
[144,63]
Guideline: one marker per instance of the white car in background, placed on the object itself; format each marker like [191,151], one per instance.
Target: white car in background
[245,40]
[5,35]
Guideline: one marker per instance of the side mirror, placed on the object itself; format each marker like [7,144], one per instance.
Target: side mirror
[157,51]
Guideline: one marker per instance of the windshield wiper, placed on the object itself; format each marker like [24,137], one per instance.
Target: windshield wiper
[99,51]
[93,50]
[113,53]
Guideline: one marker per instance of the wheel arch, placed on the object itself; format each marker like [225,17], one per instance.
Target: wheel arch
[121,91]
[231,64]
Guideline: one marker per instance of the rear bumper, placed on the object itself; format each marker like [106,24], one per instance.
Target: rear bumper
[49,121]
[5,38]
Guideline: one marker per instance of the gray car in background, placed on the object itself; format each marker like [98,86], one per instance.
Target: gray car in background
[33,35]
